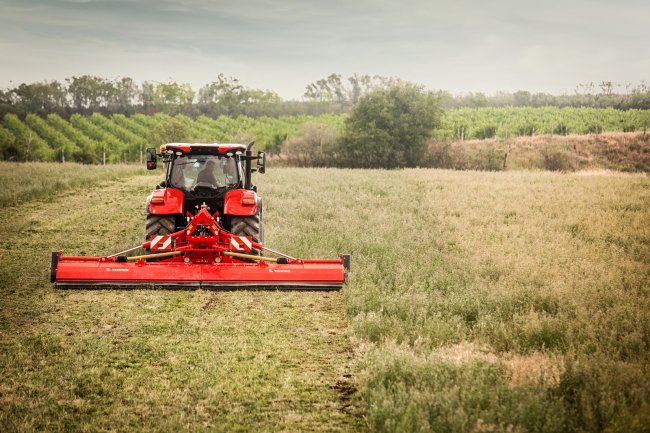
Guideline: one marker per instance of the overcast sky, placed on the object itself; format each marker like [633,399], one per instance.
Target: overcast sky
[282,45]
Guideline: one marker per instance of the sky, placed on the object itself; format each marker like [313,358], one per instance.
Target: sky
[283,45]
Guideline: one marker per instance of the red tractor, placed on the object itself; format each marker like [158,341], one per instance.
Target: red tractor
[216,175]
[204,229]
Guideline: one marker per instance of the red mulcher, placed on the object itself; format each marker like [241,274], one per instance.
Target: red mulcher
[204,229]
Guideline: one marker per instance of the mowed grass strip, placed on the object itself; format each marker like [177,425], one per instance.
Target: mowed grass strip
[23,182]
[99,360]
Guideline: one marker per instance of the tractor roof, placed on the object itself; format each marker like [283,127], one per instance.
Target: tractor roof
[200,148]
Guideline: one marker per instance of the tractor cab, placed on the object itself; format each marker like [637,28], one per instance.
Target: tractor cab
[218,165]
[191,172]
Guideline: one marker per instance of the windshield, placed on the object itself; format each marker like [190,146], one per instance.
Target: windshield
[205,170]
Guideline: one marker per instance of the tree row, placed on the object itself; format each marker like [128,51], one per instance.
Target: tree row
[97,138]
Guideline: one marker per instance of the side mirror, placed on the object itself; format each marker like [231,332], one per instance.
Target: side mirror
[152,161]
[261,162]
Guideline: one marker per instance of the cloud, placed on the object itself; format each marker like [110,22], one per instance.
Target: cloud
[284,44]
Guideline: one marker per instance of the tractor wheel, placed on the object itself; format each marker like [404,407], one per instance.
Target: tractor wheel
[249,226]
[157,225]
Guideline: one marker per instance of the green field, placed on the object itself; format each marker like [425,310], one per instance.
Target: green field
[477,301]
[504,122]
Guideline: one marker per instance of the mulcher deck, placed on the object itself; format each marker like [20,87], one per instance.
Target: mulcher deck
[99,272]
[200,255]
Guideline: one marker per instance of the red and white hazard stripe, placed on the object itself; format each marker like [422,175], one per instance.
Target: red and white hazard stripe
[161,243]
[240,243]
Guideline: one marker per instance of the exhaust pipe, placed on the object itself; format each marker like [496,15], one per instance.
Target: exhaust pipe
[248,169]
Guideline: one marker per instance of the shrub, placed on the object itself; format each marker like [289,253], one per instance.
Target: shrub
[389,127]
[558,158]
[490,159]
[464,156]
[313,146]
[438,155]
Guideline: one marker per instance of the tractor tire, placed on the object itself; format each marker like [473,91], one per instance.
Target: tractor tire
[157,225]
[249,226]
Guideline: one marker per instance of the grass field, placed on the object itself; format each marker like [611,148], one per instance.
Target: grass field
[513,301]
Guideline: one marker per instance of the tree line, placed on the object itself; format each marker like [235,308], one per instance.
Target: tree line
[334,94]
[606,94]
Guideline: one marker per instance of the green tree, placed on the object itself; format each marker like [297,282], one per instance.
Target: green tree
[390,127]
[173,98]
[227,95]
[147,96]
[170,130]
[521,98]
[41,97]
[225,91]
[125,96]
[334,88]
[90,92]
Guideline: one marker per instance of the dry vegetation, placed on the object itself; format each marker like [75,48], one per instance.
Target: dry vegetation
[317,145]
[629,152]
[511,301]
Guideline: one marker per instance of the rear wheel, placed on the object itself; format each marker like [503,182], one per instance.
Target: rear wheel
[252,226]
[158,225]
